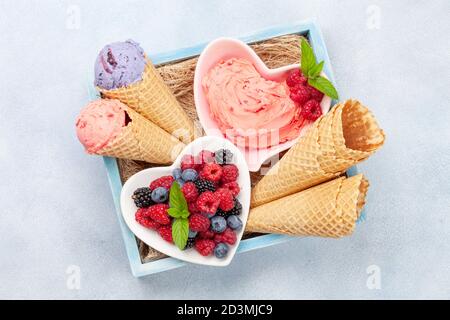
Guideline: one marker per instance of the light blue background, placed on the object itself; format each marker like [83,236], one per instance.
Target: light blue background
[56,208]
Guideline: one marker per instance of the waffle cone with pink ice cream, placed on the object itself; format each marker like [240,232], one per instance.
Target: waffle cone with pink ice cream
[124,72]
[110,128]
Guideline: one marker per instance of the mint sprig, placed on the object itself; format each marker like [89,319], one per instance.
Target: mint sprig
[311,70]
[180,232]
[180,212]
[323,85]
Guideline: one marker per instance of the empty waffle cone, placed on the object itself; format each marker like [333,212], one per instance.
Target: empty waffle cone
[142,140]
[345,136]
[330,209]
[152,98]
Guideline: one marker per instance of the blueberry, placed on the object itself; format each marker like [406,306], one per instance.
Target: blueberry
[176,173]
[218,224]
[189,175]
[192,234]
[221,250]
[180,182]
[234,222]
[160,195]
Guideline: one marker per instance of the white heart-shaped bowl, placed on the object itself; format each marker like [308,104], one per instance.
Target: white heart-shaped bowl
[145,177]
[226,48]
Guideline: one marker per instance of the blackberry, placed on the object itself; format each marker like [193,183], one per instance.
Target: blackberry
[190,243]
[142,197]
[224,156]
[237,210]
[204,185]
[222,213]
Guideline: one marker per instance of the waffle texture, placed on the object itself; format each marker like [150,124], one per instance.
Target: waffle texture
[143,140]
[330,209]
[152,98]
[348,134]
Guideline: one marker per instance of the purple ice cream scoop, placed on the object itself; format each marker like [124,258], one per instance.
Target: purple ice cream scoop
[119,64]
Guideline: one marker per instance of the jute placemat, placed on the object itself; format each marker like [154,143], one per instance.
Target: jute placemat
[179,76]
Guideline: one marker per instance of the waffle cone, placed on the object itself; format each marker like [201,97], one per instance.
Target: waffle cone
[143,140]
[356,133]
[330,209]
[348,134]
[152,98]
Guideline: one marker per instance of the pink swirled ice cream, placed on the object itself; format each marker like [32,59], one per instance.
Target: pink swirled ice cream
[99,123]
[250,110]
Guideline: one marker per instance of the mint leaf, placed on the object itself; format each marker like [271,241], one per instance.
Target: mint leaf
[308,59]
[324,86]
[312,70]
[175,213]
[184,214]
[176,198]
[316,70]
[180,232]
[178,204]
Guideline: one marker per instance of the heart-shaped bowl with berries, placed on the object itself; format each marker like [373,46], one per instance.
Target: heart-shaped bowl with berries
[205,205]
[224,49]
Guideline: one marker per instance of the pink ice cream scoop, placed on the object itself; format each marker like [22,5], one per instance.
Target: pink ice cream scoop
[249,109]
[99,123]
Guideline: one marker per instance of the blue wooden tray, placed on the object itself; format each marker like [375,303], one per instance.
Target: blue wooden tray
[308,29]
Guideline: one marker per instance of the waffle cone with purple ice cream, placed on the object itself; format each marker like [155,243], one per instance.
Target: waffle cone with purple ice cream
[125,73]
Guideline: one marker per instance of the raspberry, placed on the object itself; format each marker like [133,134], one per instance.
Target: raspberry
[228,236]
[315,94]
[158,213]
[226,199]
[165,182]
[205,246]
[208,234]
[190,191]
[211,172]
[311,110]
[198,222]
[142,218]
[295,77]
[300,94]
[229,173]
[192,207]
[208,203]
[205,156]
[188,162]
[233,187]
[166,233]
